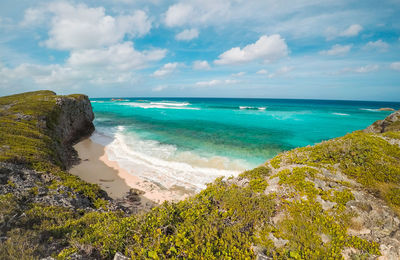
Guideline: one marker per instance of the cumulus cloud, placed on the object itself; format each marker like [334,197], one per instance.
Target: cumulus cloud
[83,27]
[337,49]
[56,76]
[187,35]
[216,82]
[395,66]
[377,45]
[201,65]
[99,51]
[266,48]
[178,14]
[120,56]
[197,12]
[33,16]
[166,69]
[352,30]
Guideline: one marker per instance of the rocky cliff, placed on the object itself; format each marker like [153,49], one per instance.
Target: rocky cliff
[337,199]
[37,131]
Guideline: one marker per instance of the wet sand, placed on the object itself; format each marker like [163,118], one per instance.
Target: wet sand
[95,167]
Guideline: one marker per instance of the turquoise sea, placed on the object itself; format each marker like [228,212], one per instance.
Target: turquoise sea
[191,141]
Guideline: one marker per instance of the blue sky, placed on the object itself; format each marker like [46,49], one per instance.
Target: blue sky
[340,49]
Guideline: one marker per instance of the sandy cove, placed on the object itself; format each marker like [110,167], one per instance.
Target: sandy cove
[95,167]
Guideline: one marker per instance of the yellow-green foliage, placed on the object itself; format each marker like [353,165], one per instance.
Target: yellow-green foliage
[305,223]
[393,196]
[297,179]
[305,226]
[22,136]
[275,162]
[394,135]
[257,178]
[8,207]
[25,139]
[365,157]
[368,158]
[218,223]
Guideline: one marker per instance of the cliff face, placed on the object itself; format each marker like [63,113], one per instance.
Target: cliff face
[41,124]
[74,122]
[37,131]
[75,118]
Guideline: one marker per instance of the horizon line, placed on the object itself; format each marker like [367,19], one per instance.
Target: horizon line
[350,100]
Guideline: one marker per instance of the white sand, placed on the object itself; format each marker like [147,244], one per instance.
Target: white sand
[95,167]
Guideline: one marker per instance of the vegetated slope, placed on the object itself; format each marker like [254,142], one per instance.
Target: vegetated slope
[37,130]
[337,199]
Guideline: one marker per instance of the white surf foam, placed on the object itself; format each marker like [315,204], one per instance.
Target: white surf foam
[370,109]
[340,114]
[252,108]
[171,103]
[165,165]
[160,105]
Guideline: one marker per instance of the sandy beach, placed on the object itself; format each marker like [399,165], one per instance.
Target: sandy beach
[95,167]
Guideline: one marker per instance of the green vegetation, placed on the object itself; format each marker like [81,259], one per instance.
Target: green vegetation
[393,135]
[367,158]
[230,219]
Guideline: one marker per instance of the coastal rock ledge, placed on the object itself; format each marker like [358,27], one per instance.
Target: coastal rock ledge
[339,199]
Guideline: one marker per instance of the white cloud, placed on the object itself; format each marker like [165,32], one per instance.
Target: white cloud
[83,27]
[377,45]
[201,65]
[266,48]
[33,16]
[216,82]
[120,56]
[166,69]
[352,30]
[395,66]
[178,14]
[362,69]
[337,49]
[262,72]
[187,35]
[281,71]
[60,77]
[239,74]
[198,13]
[99,51]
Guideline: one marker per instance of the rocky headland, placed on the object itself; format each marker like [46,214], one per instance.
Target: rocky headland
[337,199]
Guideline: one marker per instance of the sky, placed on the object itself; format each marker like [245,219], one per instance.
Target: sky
[307,49]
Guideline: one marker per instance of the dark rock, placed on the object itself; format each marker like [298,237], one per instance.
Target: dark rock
[73,124]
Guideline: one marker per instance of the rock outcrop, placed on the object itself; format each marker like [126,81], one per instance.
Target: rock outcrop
[390,123]
[74,122]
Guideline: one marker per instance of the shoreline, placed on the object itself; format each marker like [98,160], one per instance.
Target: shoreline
[95,167]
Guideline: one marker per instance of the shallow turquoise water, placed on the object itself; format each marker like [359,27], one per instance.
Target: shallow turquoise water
[221,134]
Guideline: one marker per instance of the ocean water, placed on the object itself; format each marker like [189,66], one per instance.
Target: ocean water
[189,142]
